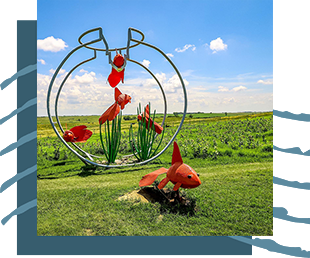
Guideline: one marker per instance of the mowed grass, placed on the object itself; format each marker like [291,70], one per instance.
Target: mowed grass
[232,200]
[232,155]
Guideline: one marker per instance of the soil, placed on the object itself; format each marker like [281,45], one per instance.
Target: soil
[153,194]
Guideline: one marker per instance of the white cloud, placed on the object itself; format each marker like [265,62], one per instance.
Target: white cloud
[81,94]
[221,88]
[88,93]
[266,82]
[228,101]
[61,71]
[235,89]
[151,82]
[146,63]
[217,45]
[86,78]
[170,55]
[173,83]
[170,85]
[83,71]
[41,61]
[239,88]
[51,44]
[187,46]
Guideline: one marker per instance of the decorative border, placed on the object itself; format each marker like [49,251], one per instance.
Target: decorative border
[18,235]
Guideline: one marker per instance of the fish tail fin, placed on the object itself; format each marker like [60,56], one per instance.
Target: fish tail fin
[87,134]
[81,133]
[151,177]
[78,130]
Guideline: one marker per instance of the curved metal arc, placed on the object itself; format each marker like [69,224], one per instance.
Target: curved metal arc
[57,98]
[162,90]
[107,49]
[49,94]
[160,86]
[86,161]
[184,91]
[62,84]
[182,120]
[70,72]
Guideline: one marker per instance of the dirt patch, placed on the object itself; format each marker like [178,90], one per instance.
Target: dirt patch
[133,196]
[153,194]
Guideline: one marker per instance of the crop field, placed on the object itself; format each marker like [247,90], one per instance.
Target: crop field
[232,152]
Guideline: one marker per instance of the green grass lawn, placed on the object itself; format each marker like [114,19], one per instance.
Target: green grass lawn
[232,155]
[232,200]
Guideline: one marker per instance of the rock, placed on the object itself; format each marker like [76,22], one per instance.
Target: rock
[118,161]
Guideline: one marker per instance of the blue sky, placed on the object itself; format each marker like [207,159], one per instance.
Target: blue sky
[223,50]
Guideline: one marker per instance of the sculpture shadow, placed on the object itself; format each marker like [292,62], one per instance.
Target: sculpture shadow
[169,201]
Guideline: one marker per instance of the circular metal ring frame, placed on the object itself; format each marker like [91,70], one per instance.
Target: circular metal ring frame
[114,49]
[82,158]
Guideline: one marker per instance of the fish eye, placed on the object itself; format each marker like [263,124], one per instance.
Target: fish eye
[197,174]
[189,176]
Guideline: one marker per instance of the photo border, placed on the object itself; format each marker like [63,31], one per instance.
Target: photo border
[18,213]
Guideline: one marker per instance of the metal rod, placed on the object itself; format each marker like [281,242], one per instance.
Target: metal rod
[57,97]
[161,88]
[83,159]
[49,94]
[107,49]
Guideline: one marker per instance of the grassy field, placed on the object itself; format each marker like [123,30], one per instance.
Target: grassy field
[232,153]
[44,128]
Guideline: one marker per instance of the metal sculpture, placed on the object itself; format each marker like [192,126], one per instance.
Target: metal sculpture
[180,174]
[116,75]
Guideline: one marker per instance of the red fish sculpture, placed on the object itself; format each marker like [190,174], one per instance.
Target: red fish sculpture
[118,68]
[180,174]
[120,101]
[121,98]
[146,115]
[77,134]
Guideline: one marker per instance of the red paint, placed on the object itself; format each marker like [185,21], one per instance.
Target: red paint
[120,101]
[180,174]
[148,120]
[116,76]
[77,134]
